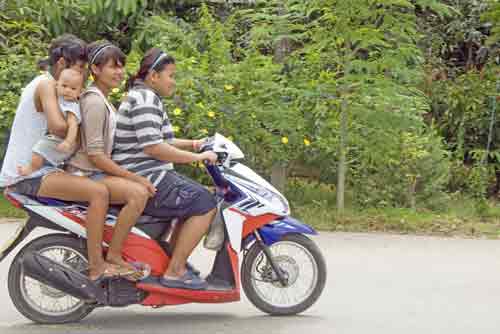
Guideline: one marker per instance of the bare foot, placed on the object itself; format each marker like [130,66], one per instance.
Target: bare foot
[24,170]
[65,147]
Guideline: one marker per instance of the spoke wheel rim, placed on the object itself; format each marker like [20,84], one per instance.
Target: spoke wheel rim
[45,299]
[301,271]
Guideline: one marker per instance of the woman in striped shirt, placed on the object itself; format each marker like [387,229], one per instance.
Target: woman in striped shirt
[145,144]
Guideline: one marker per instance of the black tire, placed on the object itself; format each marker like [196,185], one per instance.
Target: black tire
[15,276]
[246,278]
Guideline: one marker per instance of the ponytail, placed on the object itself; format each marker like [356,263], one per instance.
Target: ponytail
[154,59]
[131,80]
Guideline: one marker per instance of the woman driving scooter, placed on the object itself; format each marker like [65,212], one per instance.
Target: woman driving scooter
[145,144]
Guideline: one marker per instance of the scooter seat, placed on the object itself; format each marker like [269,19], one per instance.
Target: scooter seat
[114,210]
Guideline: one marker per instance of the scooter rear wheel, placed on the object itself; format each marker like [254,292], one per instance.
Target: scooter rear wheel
[303,266]
[51,306]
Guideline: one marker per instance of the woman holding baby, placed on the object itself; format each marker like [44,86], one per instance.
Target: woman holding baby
[43,135]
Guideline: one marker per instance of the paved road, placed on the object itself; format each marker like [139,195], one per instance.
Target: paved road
[377,284]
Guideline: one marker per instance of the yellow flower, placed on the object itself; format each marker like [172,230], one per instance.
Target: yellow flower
[307,142]
[201,165]
[91,77]
[115,90]
[175,128]
[204,131]
[228,87]
[177,111]
[211,114]
[284,140]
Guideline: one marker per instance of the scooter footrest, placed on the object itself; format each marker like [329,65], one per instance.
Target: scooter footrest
[213,294]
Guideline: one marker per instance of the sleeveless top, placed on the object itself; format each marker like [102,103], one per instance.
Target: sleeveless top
[28,128]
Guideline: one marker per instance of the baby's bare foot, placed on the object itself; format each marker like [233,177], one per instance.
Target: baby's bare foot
[24,170]
[65,147]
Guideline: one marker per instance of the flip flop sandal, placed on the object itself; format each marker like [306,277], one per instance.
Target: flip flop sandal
[143,269]
[187,281]
[110,274]
[192,269]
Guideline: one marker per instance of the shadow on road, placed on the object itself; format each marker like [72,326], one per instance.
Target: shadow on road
[168,322]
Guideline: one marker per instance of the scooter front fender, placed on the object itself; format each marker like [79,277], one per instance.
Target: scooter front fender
[273,232]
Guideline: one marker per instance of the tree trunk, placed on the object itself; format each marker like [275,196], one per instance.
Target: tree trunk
[278,177]
[278,172]
[412,190]
[342,166]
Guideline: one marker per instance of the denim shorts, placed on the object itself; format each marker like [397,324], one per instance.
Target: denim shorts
[179,197]
[31,184]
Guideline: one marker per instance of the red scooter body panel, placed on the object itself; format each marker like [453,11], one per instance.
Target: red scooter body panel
[254,222]
[139,249]
[160,295]
[135,248]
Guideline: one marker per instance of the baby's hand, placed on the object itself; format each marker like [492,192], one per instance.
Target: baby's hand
[65,147]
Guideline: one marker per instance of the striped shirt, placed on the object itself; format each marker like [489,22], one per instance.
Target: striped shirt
[141,122]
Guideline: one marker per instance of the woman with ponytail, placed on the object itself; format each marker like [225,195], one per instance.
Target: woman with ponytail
[145,144]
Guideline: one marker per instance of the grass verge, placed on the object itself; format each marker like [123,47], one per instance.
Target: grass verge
[461,216]
[7,210]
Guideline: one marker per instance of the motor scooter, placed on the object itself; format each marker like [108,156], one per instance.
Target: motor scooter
[282,271]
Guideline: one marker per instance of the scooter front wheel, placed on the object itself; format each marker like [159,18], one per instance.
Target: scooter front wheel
[303,266]
[39,302]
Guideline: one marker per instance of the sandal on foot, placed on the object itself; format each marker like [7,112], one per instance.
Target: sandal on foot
[192,269]
[109,274]
[143,269]
[187,281]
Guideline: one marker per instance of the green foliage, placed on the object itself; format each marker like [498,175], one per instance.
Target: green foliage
[412,78]
[493,15]
[463,67]
[21,46]
[244,99]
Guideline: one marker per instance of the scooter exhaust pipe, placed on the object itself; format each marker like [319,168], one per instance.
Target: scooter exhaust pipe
[62,278]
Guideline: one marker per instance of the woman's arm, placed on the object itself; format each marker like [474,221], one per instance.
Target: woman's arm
[56,124]
[169,153]
[186,144]
[109,167]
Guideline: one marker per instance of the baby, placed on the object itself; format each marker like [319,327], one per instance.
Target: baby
[52,149]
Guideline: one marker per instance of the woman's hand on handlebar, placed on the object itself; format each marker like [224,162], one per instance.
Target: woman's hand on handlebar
[197,144]
[210,156]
